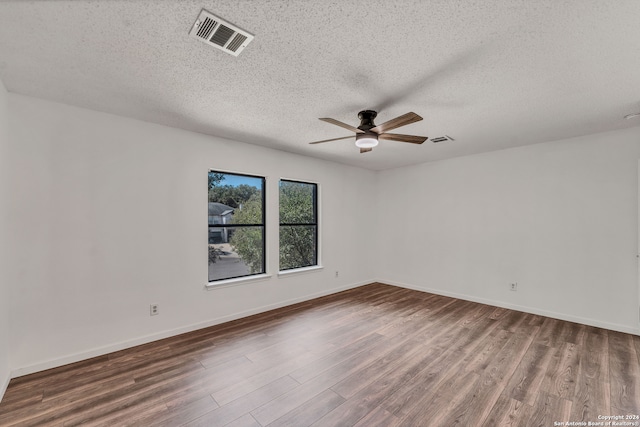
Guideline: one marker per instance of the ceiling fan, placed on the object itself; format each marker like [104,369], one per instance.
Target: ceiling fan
[368,133]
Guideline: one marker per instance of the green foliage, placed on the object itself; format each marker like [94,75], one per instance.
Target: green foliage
[296,203]
[297,242]
[231,195]
[247,241]
[297,246]
[214,179]
[251,211]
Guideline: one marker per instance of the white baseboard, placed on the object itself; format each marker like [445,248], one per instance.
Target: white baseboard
[531,310]
[100,351]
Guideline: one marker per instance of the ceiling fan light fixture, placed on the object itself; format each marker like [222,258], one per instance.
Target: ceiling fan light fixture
[366,140]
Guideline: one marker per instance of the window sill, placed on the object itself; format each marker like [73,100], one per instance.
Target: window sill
[235,282]
[303,270]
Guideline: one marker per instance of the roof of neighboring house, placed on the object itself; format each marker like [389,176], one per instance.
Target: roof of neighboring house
[216,208]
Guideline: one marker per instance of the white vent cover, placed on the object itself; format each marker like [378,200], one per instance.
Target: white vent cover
[220,34]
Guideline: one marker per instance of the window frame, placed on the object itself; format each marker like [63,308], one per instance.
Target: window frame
[251,276]
[316,215]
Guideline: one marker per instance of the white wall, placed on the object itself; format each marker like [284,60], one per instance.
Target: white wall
[108,215]
[4,245]
[112,216]
[559,218]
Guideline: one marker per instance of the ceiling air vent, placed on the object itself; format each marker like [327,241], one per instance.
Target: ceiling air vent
[220,34]
[442,139]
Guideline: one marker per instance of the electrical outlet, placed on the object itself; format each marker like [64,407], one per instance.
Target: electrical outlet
[514,286]
[337,273]
[154,309]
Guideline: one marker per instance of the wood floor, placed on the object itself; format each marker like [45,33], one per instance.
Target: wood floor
[372,356]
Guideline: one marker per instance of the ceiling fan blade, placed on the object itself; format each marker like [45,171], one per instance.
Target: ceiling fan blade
[365,150]
[402,120]
[333,139]
[414,139]
[342,125]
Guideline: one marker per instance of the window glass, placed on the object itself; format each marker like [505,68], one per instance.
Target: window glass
[298,224]
[236,225]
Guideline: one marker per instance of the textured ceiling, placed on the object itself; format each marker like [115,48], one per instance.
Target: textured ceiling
[491,74]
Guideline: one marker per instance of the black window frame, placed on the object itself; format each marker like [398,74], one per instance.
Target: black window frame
[315,224]
[232,225]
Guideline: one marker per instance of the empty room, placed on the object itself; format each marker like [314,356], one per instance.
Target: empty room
[342,213]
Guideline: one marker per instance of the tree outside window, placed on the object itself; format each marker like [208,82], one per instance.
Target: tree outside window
[298,224]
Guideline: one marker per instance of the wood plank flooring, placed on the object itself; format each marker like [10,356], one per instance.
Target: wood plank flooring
[376,355]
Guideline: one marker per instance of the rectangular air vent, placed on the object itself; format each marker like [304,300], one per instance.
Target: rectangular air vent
[441,139]
[220,34]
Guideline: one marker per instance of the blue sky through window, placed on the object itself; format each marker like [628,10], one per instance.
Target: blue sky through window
[236,180]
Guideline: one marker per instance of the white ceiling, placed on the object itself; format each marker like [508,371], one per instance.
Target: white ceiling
[490,73]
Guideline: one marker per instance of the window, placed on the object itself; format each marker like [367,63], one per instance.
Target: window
[236,225]
[298,224]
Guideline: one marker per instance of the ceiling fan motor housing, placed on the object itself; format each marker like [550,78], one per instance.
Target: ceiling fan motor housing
[366,119]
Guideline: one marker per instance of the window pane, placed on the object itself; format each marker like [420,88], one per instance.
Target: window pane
[298,225]
[297,246]
[297,203]
[236,225]
[235,252]
[235,199]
